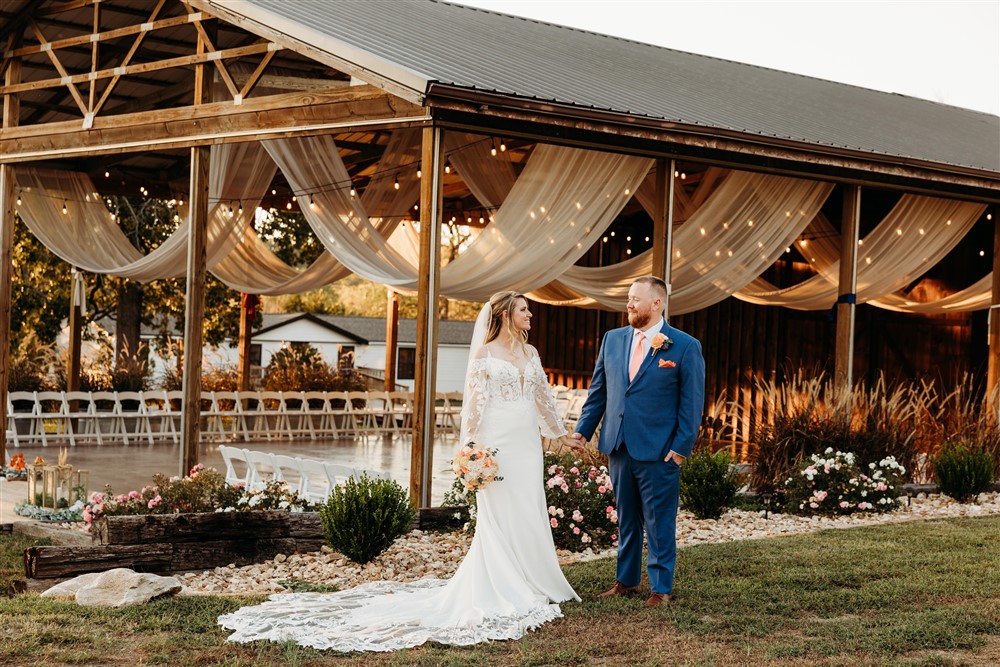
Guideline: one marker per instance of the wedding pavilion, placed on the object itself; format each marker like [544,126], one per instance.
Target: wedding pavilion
[442,150]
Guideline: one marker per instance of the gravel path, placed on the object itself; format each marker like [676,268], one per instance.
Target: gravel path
[421,554]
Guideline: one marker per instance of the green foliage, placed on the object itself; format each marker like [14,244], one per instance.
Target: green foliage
[835,484]
[810,415]
[963,472]
[29,365]
[708,483]
[302,368]
[203,490]
[581,505]
[364,516]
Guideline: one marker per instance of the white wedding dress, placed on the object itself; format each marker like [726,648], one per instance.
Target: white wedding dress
[508,583]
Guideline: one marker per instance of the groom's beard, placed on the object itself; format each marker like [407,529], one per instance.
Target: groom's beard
[639,320]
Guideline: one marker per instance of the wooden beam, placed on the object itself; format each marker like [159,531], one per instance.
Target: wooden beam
[169,63]
[8,201]
[993,335]
[428,289]
[194,309]
[76,305]
[663,226]
[66,79]
[257,118]
[391,338]
[248,310]
[103,36]
[849,233]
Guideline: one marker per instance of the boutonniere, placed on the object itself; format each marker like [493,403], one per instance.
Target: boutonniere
[666,363]
[659,342]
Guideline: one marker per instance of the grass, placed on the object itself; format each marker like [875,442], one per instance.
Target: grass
[904,595]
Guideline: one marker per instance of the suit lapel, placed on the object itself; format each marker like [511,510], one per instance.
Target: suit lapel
[627,347]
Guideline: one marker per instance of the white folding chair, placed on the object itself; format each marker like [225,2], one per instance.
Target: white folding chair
[339,407]
[316,483]
[238,469]
[274,415]
[299,423]
[51,411]
[316,409]
[131,407]
[82,417]
[400,411]
[289,470]
[252,423]
[262,469]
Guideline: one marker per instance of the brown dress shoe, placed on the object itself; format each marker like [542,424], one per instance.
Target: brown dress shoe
[619,590]
[657,599]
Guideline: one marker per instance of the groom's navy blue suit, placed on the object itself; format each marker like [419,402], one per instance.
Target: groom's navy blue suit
[659,411]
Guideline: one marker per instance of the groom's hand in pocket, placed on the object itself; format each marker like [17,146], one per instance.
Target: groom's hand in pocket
[675,457]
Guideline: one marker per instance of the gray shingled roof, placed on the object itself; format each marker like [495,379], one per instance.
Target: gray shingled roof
[372,329]
[427,41]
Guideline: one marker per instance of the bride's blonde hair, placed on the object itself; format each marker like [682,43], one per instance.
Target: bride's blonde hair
[500,303]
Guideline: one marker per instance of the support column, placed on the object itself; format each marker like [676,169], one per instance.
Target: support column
[993,335]
[391,338]
[425,376]
[8,201]
[76,308]
[248,311]
[846,301]
[663,225]
[194,310]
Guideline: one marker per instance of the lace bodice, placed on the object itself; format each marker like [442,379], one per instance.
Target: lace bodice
[493,381]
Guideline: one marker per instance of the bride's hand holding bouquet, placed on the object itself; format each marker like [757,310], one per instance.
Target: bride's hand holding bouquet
[475,466]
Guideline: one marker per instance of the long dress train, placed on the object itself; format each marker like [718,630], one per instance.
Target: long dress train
[508,583]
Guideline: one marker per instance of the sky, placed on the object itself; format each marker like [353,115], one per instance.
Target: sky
[942,51]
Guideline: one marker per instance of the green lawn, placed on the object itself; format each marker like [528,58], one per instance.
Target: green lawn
[920,593]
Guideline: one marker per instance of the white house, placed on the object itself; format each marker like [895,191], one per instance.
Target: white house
[361,340]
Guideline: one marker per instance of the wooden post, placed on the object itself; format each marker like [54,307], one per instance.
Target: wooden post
[846,301]
[425,380]
[663,225]
[993,335]
[194,310]
[76,307]
[391,338]
[248,311]
[8,202]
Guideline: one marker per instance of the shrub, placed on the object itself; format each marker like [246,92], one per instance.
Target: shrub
[837,485]
[963,472]
[580,502]
[29,365]
[809,415]
[709,483]
[301,368]
[364,516]
[203,490]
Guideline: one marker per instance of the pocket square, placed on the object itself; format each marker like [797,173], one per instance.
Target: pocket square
[666,363]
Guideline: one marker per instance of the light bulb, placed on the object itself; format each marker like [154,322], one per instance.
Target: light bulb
[241,208]
[493,150]
[416,207]
[683,176]
[18,198]
[294,198]
[503,146]
[65,210]
[419,173]
[395,183]
[628,251]
[628,238]
[288,206]
[605,239]
[274,191]
[647,239]
[612,234]
[447,168]
[107,174]
[353,191]
[481,219]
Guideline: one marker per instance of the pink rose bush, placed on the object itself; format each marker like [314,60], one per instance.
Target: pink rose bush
[202,490]
[581,504]
[834,483]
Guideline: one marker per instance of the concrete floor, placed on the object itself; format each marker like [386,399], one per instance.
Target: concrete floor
[130,467]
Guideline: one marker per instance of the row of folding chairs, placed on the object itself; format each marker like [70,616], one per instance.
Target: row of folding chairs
[569,405]
[312,479]
[127,417]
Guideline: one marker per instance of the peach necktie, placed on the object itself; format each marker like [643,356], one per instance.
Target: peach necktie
[636,361]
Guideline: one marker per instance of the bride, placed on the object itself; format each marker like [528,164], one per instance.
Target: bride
[510,581]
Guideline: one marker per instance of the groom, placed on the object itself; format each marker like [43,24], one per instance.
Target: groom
[649,385]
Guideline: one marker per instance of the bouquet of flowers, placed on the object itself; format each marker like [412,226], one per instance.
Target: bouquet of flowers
[475,466]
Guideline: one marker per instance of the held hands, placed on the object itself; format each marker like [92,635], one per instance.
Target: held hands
[575,441]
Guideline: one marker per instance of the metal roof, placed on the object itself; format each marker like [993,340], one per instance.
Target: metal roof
[372,329]
[421,42]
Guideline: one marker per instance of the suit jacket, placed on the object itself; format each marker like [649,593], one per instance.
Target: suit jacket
[657,412]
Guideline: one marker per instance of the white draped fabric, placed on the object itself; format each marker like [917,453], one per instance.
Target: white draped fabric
[560,205]
[975,297]
[913,237]
[742,228]
[95,243]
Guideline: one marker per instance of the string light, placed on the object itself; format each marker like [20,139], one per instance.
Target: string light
[353,191]
[503,146]
[493,148]
[241,208]
[395,182]
[180,202]
[647,239]
[605,239]
[274,191]
[18,198]
[628,251]
[982,253]
[107,174]
[419,173]
[788,249]
[288,206]
[989,216]
[612,233]
[65,210]
[447,167]
[416,207]
[683,176]
[628,238]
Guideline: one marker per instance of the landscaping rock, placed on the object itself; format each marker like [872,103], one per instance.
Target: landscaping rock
[115,588]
